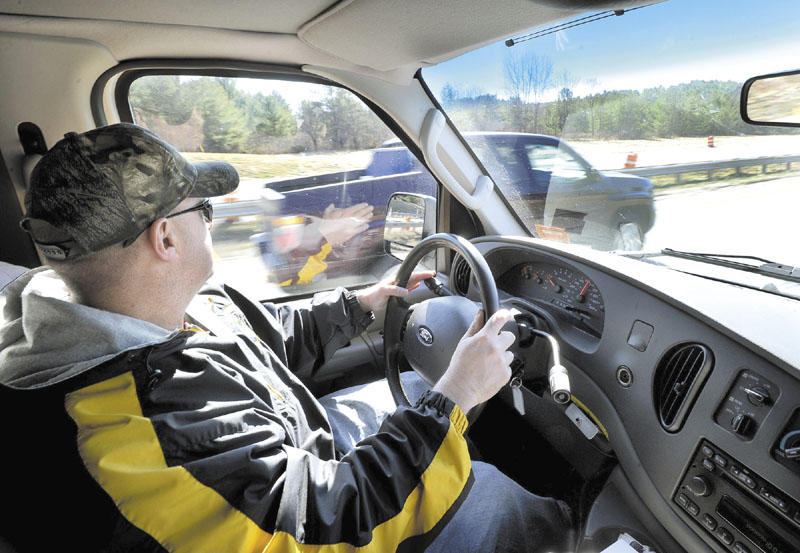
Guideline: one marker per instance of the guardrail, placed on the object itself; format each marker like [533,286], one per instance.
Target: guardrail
[710,166]
[254,207]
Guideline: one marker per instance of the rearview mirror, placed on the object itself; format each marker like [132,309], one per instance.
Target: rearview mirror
[409,219]
[772,100]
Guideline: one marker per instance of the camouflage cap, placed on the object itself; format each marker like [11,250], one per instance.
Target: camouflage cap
[107,185]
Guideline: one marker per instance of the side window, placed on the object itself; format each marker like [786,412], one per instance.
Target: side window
[317,170]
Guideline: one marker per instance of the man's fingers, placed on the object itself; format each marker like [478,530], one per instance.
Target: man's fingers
[357,210]
[505,339]
[419,276]
[363,211]
[476,325]
[496,321]
[391,290]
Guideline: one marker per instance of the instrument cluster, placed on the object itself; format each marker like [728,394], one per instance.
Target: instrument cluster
[565,292]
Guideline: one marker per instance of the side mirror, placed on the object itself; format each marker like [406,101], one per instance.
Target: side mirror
[409,219]
[772,100]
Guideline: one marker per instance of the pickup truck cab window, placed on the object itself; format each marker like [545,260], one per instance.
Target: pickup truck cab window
[558,162]
[310,212]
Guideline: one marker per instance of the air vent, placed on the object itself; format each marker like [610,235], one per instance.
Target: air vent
[461,275]
[679,377]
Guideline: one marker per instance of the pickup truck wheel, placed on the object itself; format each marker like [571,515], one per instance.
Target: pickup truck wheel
[629,237]
[426,334]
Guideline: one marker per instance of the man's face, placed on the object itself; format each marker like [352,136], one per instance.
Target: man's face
[197,257]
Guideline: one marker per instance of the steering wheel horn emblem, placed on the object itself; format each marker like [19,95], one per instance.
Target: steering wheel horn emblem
[425,335]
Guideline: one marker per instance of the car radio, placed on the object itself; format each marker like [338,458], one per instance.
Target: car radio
[736,506]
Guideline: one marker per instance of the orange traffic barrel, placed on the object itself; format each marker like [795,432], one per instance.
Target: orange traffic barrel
[710,141]
[230,200]
[630,163]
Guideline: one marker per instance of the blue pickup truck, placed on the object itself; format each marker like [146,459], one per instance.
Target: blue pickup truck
[560,191]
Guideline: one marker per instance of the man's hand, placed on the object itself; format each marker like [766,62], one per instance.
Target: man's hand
[480,364]
[376,296]
[338,225]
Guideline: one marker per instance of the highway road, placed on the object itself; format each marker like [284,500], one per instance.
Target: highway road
[758,219]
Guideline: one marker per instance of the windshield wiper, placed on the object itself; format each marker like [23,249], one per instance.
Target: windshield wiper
[766,267]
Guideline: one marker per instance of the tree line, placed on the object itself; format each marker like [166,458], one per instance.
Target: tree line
[697,108]
[211,114]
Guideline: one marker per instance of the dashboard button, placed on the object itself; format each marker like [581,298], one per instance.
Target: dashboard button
[739,547]
[724,536]
[721,461]
[779,503]
[775,500]
[693,508]
[708,465]
[682,500]
[707,451]
[709,522]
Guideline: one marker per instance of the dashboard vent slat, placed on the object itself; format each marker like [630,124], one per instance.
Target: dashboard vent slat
[679,377]
[461,275]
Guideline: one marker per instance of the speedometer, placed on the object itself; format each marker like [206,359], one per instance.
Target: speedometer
[573,291]
[564,288]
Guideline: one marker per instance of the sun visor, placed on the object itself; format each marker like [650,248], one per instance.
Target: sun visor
[386,34]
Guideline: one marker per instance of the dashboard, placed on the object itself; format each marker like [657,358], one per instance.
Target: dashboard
[695,382]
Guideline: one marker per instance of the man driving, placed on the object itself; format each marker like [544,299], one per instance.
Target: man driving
[195,431]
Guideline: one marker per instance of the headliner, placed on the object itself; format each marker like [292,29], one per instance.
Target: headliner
[384,37]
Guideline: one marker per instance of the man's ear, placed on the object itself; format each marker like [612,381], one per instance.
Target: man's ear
[162,237]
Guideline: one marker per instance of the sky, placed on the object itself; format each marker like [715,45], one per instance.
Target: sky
[663,44]
[293,92]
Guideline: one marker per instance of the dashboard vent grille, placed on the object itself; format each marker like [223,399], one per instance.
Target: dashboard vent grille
[679,377]
[461,275]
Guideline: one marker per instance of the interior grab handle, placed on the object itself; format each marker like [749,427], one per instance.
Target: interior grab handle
[432,128]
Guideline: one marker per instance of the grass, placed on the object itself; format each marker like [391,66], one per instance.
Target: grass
[264,166]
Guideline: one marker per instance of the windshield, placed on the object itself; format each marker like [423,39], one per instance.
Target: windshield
[623,132]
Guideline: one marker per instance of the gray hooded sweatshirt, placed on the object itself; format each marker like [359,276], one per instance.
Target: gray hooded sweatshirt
[46,338]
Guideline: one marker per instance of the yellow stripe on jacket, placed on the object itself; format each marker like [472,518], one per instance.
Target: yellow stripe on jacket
[119,447]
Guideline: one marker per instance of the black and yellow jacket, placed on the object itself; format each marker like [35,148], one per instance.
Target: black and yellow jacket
[187,441]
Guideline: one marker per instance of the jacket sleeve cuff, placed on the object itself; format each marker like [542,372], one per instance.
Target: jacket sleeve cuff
[444,407]
[361,319]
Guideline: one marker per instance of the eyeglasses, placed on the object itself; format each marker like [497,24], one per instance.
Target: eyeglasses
[204,206]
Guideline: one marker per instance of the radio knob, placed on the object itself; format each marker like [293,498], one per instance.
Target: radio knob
[699,486]
[743,425]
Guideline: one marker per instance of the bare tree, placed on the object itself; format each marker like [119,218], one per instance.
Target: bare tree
[594,101]
[528,77]
[565,83]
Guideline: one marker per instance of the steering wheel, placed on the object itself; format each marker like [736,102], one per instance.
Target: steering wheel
[428,332]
